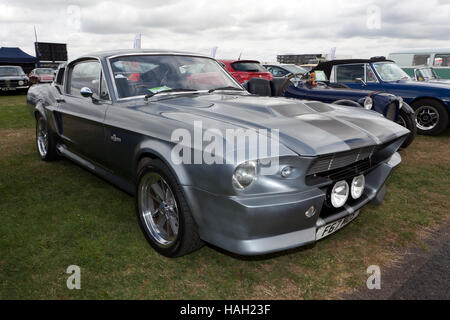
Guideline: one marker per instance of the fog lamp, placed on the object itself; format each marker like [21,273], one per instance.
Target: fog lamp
[339,193]
[244,175]
[310,212]
[357,188]
[286,172]
[21,83]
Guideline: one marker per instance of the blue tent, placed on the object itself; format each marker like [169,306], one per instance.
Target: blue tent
[15,56]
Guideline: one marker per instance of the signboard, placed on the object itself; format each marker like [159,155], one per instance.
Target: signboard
[51,52]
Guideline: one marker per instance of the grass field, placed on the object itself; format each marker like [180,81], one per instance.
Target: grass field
[57,214]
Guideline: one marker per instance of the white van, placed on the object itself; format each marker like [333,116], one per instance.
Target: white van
[412,59]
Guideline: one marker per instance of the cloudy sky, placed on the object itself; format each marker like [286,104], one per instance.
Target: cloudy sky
[259,29]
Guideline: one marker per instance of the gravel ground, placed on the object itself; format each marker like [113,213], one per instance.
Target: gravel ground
[423,274]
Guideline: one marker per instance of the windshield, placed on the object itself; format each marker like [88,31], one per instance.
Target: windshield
[390,71]
[11,71]
[150,74]
[427,73]
[292,68]
[44,71]
[248,66]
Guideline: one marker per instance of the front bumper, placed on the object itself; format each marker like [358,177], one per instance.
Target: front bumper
[13,88]
[268,223]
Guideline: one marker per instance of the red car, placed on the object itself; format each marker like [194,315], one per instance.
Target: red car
[244,70]
[39,75]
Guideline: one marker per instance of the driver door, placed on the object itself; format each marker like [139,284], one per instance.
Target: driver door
[82,118]
[349,73]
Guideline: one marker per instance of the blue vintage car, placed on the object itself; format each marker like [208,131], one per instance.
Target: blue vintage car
[389,105]
[430,101]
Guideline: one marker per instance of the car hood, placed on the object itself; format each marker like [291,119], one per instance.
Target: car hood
[309,128]
[13,77]
[422,84]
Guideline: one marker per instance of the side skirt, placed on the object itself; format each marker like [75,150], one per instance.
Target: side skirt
[107,175]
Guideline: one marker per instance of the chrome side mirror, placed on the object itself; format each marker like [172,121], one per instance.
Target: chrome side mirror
[361,81]
[86,92]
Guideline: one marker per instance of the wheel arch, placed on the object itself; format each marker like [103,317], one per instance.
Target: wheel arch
[427,98]
[178,171]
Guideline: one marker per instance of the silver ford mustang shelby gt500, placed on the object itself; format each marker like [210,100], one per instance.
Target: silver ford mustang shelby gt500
[167,127]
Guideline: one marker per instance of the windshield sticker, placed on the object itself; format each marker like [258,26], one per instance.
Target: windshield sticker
[158,89]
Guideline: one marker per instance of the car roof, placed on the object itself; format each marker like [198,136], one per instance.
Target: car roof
[111,53]
[423,50]
[242,60]
[326,66]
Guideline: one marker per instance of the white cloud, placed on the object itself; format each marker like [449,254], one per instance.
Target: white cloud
[259,29]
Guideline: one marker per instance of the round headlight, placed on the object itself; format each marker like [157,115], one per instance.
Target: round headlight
[357,188]
[21,83]
[244,175]
[339,194]
[368,103]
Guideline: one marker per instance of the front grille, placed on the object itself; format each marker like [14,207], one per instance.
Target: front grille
[391,111]
[9,83]
[338,160]
[342,165]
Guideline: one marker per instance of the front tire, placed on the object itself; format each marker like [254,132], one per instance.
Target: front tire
[406,120]
[431,117]
[163,213]
[45,141]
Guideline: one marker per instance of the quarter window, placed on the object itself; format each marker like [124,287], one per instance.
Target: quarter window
[104,95]
[349,73]
[370,75]
[85,74]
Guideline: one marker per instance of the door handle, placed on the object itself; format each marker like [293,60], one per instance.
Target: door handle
[60,100]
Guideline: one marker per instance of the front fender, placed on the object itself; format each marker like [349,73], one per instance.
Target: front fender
[407,108]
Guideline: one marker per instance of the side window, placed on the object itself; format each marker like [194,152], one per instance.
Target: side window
[348,73]
[442,60]
[420,59]
[278,72]
[85,74]
[370,76]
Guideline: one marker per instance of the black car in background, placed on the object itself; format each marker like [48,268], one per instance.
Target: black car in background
[12,78]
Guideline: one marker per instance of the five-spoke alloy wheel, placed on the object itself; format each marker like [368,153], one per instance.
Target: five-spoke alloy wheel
[163,213]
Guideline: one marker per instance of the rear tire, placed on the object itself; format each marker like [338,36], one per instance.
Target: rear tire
[407,120]
[431,116]
[164,217]
[45,141]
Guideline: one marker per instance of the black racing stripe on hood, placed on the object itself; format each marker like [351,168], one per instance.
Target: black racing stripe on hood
[352,137]
[319,106]
[291,110]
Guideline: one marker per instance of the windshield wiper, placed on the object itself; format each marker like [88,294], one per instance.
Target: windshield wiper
[225,88]
[168,91]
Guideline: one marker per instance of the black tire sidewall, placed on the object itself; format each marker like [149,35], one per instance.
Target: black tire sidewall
[159,168]
[443,116]
[51,147]
[410,123]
